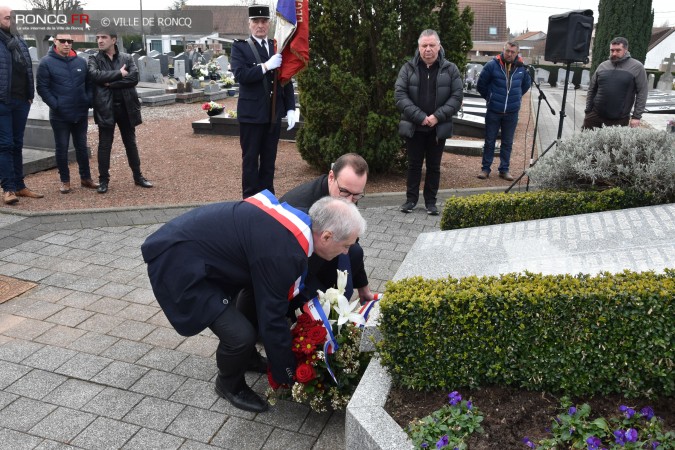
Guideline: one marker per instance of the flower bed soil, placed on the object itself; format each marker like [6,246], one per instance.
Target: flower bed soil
[511,414]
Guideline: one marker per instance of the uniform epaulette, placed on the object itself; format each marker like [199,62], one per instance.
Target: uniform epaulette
[240,40]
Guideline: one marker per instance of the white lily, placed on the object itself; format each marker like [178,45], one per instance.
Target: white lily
[346,312]
[342,280]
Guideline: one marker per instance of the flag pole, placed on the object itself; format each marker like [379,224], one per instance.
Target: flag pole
[273,113]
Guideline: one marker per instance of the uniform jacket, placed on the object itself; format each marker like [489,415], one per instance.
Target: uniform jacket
[503,95]
[102,70]
[252,106]
[322,274]
[64,85]
[615,86]
[6,70]
[449,96]
[197,260]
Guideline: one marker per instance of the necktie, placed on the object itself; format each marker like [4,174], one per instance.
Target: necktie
[264,46]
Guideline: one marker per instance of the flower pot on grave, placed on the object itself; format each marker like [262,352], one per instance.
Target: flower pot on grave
[188,87]
[215,111]
[214,76]
[231,92]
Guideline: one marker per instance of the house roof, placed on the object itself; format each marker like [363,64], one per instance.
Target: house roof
[489,19]
[229,20]
[658,35]
[530,35]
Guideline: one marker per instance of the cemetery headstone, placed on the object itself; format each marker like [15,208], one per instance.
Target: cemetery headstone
[153,53]
[223,62]
[163,64]
[33,53]
[179,69]
[585,79]
[136,56]
[542,75]
[171,54]
[147,69]
[562,73]
[666,80]
[650,81]
[208,54]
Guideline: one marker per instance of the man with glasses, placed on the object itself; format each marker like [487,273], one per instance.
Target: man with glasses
[16,96]
[63,84]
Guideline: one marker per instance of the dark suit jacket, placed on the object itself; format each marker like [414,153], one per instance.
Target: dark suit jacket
[210,253]
[322,274]
[252,106]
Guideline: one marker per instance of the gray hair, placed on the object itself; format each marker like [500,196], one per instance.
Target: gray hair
[512,44]
[337,216]
[427,33]
[620,41]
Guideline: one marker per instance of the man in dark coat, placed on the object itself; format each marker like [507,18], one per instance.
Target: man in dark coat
[63,84]
[115,77]
[16,96]
[428,92]
[200,260]
[261,105]
[347,179]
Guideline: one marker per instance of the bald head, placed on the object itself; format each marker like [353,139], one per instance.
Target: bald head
[5,17]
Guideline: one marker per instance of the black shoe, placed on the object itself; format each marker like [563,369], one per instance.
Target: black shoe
[245,399]
[257,363]
[432,210]
[102,187]
[407,207]
[142,182]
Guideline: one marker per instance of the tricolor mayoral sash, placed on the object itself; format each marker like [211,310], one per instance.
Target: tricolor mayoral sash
[294,220]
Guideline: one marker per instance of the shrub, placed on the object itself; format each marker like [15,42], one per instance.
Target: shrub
[579,335]
[490,209]
[635,159]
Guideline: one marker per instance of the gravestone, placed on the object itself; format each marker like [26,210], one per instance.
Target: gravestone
[585,79]
[179,69]
[35,64]
[211,88]
[650,81]
[666,80]
[148,68]
[667,64]
[153,53]
[163,64]
[170,54]
[223,62]
[186,62]
[562,73]
[542,75]
[33,53]
[207,55]
[136,56]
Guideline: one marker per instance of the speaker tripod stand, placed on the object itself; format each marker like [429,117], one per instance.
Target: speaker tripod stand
[536,124]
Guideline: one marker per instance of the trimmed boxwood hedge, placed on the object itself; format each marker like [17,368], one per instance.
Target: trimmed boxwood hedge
[490,209]
[579,335]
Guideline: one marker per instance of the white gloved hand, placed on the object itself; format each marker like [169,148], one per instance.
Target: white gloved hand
[290,117]
[274,62]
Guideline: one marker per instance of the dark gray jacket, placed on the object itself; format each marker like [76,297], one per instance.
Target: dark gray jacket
[449,96]
[616,86]
[106,76]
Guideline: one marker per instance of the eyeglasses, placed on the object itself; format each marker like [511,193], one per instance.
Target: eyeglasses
[344,193]
[65,41]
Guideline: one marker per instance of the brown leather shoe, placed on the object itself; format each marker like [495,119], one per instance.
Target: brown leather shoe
[89,183]
[25,192]
[65,188]
[484,175]
[9,198]
[506,175]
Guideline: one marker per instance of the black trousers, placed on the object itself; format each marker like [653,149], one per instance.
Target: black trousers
[237,344]
[420,147]
[106,136]
[258,155]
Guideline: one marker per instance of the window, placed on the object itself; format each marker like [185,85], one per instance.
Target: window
[156,44]
[492,31]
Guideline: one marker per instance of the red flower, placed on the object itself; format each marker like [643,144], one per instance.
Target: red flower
[205,107]
[305,319]
[305,373]
[302,345]
[316,335]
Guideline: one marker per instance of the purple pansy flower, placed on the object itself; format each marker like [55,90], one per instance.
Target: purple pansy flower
[620,437]
[528,442]
[572,411]
[627,411]
[469,405]
[454,398]
[442,442]
[594,443]
[631,435]
[647,412]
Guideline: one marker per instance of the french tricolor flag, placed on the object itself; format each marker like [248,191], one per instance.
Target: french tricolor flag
[292,37]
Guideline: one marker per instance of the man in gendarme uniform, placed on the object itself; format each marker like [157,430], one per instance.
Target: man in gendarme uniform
[259,125]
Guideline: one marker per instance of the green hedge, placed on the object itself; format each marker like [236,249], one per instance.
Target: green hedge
[578,335]
[490,209]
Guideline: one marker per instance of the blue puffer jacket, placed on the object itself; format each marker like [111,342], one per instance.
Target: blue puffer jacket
[63,84]
[503,96]
[6,71]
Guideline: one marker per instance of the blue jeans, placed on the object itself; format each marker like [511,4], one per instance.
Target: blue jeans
[13,118]
[62,132]
[493,122]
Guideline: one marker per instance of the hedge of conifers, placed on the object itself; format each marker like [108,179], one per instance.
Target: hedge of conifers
[580,335]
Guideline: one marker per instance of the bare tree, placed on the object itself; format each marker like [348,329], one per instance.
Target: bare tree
[56,5]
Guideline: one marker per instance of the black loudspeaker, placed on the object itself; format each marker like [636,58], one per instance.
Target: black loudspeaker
[569,37]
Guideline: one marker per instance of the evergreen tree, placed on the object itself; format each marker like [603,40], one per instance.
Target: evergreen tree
[614,20]
[456,40]
[347,92]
